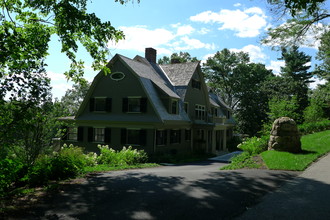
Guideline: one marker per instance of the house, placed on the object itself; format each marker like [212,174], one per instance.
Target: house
[157,108]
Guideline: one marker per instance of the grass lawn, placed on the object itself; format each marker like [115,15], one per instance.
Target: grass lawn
[313,145]
[104,168]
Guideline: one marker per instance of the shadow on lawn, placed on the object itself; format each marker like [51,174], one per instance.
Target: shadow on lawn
[142,195]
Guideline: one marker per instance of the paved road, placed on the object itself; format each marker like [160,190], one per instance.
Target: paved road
[193,191]
[304,197]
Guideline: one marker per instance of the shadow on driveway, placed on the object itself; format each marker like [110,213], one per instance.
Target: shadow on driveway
[160,194]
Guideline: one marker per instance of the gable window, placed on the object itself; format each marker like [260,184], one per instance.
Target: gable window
[101,135]
[134,105]
[133,136]
[100,104]
[161,137]
[187,135]
[196,84]
[200,112]
[174,106]
[215,112]
[175,136]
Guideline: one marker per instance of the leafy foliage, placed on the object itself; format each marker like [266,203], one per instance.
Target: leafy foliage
[9,173]
[283,108]
[182,57]
[312,127]
[254,145]
[127,156]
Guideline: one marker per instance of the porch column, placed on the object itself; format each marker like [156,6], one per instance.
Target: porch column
[224,139]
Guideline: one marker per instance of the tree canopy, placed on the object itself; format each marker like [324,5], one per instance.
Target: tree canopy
[181,57]
[25,32]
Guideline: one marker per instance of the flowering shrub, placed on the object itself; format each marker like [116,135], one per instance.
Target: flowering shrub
[254,145]
[126,156]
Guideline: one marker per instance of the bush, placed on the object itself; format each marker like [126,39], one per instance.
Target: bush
[127,156]
[9,173]
[67,163]
[233,143]
[254,145]
[311,127]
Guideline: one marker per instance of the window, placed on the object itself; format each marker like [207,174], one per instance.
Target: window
[200,134]
[134,105]
[187,135]
[174,106]
[200,112]
[133,136]
[100,104]
[72,133]
[117,76]
[196,84]
[161,137]
[186,107]
[98,135]
[101,135]
[175,136]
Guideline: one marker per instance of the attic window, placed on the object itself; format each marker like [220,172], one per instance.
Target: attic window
[196,84]
[117,76]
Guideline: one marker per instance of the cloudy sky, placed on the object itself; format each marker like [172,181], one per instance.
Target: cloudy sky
[199,27]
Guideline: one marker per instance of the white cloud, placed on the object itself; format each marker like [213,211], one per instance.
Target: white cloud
[165,41]
[256,53]
[138,38]
[185,30]
[247,23]
[237,5]
[204,31]
[276,66]
[56,76]
[317,81]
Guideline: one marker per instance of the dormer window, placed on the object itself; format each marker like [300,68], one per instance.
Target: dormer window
[196,84]
[174,106]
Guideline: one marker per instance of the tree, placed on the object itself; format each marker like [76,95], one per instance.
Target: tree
[305,17]
[182,57]
[283,107]
[74,97]
[26,29]
[219,71]
[252,105]
[296,72]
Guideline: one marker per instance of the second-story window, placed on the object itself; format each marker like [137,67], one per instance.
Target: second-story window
[100,104]
[200,112]
[174,106]
[134,104]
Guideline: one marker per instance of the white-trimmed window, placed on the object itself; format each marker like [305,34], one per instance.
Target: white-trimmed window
[100,104]
[72,133]
[134,104]
[98,134]
[200,112]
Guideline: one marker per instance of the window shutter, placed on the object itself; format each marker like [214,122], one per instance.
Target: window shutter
[143,137]
[90,134]
[107,135]
[80,133]
[91,104]
[143,102]
[108,105]
[123,136]
[65,133]
[125,104]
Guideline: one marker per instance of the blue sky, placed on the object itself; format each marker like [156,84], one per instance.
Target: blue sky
[199,27]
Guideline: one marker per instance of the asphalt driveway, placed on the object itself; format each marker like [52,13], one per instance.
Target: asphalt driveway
[192,191]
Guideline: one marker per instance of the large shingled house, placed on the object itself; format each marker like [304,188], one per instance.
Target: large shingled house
[157,108]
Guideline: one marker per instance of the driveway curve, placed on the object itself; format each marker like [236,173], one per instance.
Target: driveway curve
[190,191]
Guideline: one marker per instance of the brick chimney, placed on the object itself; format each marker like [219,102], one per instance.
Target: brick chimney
[151,54]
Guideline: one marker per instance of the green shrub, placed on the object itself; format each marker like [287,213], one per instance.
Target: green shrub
[127,156]
[67,163]
[254,145]
[311,127]
[233,142]
[9,173]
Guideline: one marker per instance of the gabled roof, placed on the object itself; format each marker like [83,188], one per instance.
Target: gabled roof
[180,73]
[144,70]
